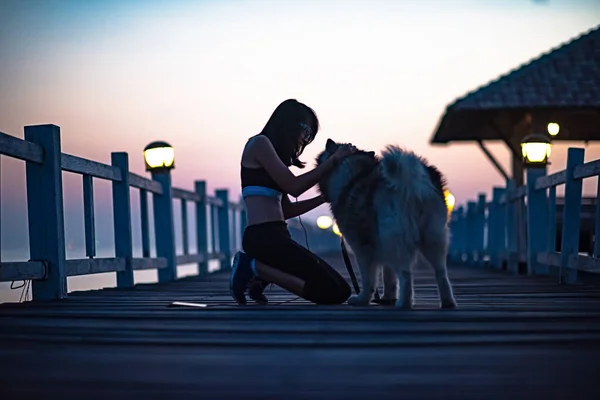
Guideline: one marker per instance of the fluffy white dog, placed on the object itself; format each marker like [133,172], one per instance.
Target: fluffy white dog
[390,209]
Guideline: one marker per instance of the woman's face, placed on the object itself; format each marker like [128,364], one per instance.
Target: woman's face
[306,133]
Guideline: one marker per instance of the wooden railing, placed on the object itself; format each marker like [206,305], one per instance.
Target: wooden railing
[520,224]
[48,267]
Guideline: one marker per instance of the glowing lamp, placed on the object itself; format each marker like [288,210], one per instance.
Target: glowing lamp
[450,200]
[336,230]
[159,156]
[536,149]
[553,128]
[324,222]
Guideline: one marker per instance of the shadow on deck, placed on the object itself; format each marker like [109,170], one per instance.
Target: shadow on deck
[513,336]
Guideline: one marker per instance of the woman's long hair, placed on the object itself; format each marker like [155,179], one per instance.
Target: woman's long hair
[285,127]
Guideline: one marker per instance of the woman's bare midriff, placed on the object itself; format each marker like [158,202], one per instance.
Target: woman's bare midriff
[260,209]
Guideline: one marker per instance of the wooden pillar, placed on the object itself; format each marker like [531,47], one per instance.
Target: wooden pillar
[45,213]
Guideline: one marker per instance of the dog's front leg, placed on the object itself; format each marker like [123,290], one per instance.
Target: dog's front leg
[368,274]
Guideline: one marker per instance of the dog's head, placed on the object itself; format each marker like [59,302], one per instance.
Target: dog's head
[331,147]
[361,159]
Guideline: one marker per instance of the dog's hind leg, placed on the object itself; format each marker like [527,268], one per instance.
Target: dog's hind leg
[390,286]
[405,278]
[434,251]
[368,273]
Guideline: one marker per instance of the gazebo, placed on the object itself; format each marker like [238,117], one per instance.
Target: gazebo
[561,86]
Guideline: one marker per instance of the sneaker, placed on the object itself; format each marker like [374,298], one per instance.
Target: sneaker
[241,276]
[255,290]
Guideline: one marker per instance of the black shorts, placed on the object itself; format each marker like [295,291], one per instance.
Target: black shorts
[271,243]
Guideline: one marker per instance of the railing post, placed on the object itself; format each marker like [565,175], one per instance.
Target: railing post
[461,235]
[470,241]
[201,227]
[243,221]
[481,223]
[571,214]
[502,243]
[522,230]
[122,219]
[552,219]
[495,228]
[45,213]
[512,257]
[537,220]
[164,228]
[452,225]
[224,239]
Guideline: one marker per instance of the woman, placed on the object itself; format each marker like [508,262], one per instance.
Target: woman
[271,256]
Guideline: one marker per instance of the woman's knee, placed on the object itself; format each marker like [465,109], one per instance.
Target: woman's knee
[328,294]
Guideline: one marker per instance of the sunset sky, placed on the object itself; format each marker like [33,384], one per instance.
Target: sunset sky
[206,75]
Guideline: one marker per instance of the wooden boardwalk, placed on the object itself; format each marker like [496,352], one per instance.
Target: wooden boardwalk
[513,337]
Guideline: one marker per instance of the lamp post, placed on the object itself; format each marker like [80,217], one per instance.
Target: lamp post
[160,160]
[159,157]
[536,151]
[553,128]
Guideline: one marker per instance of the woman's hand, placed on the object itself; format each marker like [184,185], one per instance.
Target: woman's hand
[344,151]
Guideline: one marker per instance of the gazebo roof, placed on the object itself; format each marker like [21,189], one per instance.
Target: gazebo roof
[562,85]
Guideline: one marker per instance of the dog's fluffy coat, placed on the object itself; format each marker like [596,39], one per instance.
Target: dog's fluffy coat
[390,209]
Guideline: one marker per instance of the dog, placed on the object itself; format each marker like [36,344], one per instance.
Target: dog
[391,210]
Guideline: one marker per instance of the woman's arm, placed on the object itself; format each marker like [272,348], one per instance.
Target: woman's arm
[292,210]
[265,154]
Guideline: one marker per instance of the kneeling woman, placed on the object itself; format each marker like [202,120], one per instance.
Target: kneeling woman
[270,255]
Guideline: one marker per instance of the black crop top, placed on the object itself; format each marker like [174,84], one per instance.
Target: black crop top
[258,177]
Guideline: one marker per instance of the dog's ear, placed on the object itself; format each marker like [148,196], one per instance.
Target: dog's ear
[330,145]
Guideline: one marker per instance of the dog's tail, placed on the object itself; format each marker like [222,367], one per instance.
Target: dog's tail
[406,174]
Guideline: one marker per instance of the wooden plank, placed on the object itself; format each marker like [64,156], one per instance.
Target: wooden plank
[21,149]
[164,229]
[185,195]
[584,263]
[480,223]
[571,214]
[235,206]
[149,263]
[144,223]
[224,228]
[88,216]
[496,237]
[537,221]
[184,226]
[87,266]
[140,182]
[190,258]
[214,201]
[131,341]
[549,258]
[121,202]
[549,181]
[202,227]
[517,194]
[18,271]
[217,256]
[84,166]
[551,246]
[597,222]
[45,212]
[587,170]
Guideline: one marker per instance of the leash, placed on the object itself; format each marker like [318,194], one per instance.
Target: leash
[342,197]
[351,271]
